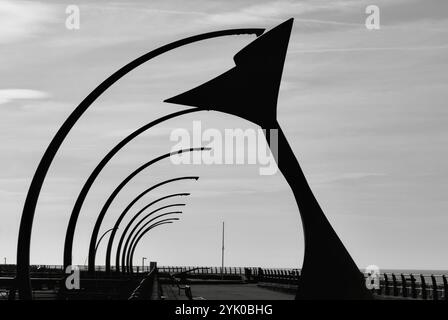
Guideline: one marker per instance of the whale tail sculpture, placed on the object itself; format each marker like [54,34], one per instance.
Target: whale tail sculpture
[250,91]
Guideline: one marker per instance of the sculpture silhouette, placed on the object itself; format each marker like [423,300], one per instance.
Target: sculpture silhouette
[250,91]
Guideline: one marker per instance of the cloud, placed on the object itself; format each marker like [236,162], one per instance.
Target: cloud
[328,178]
[8,95]
[21,19]
[334,50]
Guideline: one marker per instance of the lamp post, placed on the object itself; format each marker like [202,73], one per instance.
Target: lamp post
[143,264]
[129,206]
[113,195]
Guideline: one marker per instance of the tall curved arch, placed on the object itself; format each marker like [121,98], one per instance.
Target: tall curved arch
[109,246]
[104,234]
[29,208]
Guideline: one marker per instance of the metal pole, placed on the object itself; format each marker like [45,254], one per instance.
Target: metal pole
[143,263]
[5,260]
[222,253]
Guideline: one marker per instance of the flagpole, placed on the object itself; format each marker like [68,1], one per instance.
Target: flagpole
[222,253]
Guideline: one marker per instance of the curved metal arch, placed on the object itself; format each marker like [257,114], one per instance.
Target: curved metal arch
[26,222]
[104,234]
[99,220]
[161,222]
[99,241]
[120,243]
[128,240]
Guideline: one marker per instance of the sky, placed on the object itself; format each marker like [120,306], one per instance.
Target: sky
[364,111]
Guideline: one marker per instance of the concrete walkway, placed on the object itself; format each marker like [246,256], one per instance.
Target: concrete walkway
[226,292]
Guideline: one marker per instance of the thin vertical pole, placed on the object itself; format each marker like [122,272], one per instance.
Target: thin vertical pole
[222,253]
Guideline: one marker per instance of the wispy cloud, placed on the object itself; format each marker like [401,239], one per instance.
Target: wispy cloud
[21,19]
[335,50]
[8,95]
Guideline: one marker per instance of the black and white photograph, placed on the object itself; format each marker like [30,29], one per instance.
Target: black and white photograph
[224,158]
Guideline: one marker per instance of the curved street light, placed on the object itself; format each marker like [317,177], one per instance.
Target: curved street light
[109,247]
[161,222]
[99,241]
[129,206]
[99,220]
[26,222]
[128,243]
[104,234]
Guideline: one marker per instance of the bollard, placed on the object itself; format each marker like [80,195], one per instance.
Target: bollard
[423,285]
[260,274]
[12,294]
[386,285]
[404,290]
[413,288]
[435,295]
[394,283]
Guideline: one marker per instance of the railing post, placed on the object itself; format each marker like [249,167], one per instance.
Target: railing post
[260,274]
[394,283]
[423,286]
[404,291]
[435,294]
[413,288]
[445,287]
[386,285]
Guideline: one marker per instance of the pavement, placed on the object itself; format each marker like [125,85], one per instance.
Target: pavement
[248,291]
